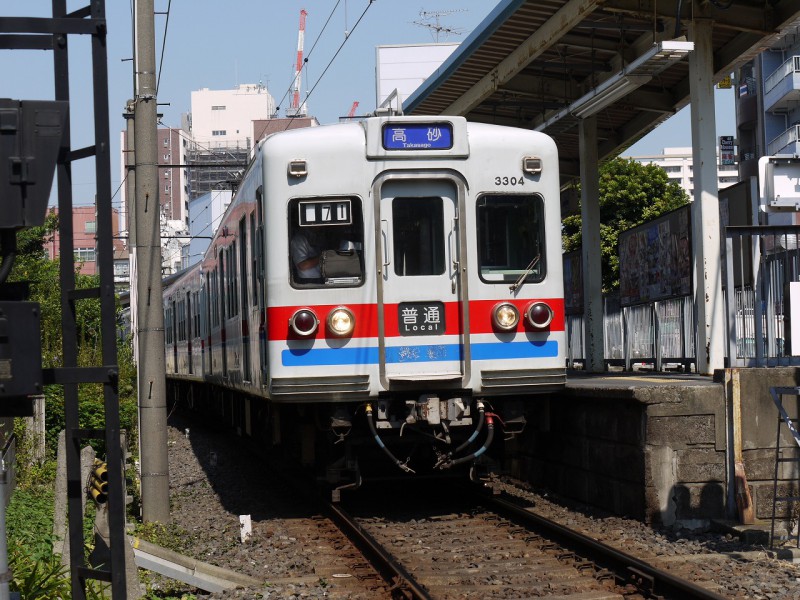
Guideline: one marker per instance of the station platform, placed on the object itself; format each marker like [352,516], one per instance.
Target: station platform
[660,447]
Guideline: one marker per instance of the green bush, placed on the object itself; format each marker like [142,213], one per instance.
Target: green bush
[37,575]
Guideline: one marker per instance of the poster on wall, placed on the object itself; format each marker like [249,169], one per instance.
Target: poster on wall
[655,259]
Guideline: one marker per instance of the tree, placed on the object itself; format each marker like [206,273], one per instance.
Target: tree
[32,265]
[630,194]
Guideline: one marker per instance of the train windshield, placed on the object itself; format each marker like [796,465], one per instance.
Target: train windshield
[511,238]
[326,242]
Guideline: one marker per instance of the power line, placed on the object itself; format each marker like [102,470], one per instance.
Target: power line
[338,50]
[163,48]
[308,56]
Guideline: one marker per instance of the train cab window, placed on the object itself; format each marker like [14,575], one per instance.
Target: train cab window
[511,238]
[326,242]
[418,234]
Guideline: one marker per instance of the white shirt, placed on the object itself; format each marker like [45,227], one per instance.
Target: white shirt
[302,250]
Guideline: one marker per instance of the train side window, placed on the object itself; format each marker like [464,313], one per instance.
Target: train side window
[326,242]
[418,233]
[213,300]
[511,238]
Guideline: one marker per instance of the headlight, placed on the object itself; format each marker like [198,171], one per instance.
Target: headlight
[304,322]
[341,322]
[539,315]
[505,316]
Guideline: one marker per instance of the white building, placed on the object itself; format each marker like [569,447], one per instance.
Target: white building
[678,164]
[205,214]
[405,67]
[225,117]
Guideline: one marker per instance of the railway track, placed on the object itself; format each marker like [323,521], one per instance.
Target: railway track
[498,549]
[429,539]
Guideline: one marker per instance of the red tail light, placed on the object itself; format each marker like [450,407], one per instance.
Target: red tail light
[539,315]
[304,322]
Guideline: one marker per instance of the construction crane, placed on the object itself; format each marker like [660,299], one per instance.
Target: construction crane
[296,109]
[352,110]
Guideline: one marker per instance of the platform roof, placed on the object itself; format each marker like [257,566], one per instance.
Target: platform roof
[529,62]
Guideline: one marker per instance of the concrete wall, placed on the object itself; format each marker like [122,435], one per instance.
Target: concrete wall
[654,448]
[759,433]
[654,452]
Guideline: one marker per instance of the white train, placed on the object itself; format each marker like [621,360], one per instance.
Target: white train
[393,283]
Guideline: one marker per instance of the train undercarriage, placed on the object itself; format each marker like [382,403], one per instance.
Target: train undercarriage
[347,443]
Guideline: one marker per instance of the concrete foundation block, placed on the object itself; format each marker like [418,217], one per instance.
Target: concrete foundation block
[681,430]
[784,509]
[699,501]
[699,465]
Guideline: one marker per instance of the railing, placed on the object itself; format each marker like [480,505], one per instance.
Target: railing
[790,136]
[759,263]
[791,65]
[757,309]
[660,334]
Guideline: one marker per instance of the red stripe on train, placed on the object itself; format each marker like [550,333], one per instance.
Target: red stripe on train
[366,316]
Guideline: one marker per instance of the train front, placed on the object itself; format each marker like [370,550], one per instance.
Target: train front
[424,307]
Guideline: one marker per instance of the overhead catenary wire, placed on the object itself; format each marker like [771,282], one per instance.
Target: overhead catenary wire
[338,50]
[163,48]
[310,52]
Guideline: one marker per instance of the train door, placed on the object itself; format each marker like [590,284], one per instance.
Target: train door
[422,282]
[245,308]
[223,311]
[174,332]
[261,291]
[189,332]
[205,345]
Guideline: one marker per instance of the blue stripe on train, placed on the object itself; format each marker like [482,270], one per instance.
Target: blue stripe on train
[412,354]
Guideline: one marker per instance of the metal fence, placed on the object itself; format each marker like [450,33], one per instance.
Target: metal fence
[759,310]
[760,261]
[658,334]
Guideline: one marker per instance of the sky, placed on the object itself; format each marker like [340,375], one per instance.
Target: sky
[217,45]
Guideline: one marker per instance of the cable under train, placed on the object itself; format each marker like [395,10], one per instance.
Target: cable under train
[379,295]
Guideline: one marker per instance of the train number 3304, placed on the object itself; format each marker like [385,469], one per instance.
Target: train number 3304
[509,181]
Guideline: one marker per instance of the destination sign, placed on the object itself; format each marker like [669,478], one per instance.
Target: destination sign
[418,136]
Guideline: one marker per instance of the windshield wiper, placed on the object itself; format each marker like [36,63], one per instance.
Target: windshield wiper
[528,270]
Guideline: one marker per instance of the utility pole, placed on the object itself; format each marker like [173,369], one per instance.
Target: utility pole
[130,217]
[149,310]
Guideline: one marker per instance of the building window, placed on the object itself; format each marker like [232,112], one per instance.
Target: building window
[85,254]
[217,108]
[166,142]
[219,132]
[166,189]
[166,174]
[90,227]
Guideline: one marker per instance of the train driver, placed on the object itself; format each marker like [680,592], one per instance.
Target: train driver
[305,254]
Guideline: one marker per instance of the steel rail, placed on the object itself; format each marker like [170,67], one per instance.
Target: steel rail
[661,582]
[400,580]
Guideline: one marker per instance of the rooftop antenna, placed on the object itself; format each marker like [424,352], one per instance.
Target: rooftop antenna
[430,19]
